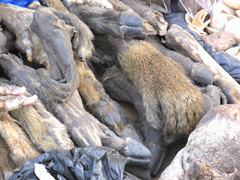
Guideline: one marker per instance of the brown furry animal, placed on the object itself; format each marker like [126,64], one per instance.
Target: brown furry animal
[171,102]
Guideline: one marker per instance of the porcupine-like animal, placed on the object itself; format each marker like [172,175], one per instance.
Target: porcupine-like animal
[172,104]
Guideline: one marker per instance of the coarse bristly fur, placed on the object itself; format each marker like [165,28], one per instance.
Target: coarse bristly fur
[45,131]
[6,163]
[171,102]
[20,147]
[86,38]
[83,36]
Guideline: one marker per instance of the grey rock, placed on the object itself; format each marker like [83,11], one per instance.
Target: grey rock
[214,144]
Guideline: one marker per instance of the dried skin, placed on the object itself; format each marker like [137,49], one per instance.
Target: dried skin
[18,21]
[182,41]
[12,97]
[106,21]
[8,90]
[110,8]
[90,89]
[56,36]
[99,103]
[82,38]
[3,40]
[20,147]
[45,131]
[152,15]
[6,163]
[83,128]
[90,3]
[57,4]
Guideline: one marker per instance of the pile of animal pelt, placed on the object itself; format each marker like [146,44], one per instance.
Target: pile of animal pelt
[123,83]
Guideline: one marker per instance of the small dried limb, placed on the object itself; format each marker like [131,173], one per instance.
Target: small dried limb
[20,147]
[6,163]
[18,21]
[45,131]
[152,15]
[12,97]
[92,92]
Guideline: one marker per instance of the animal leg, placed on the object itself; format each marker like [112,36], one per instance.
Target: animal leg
[21,148]
[6,163]
[98,102]
[13,98]
[121,89]
[106,21]
[18,21]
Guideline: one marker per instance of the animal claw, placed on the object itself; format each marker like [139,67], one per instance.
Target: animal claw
[12,91]
[29,59]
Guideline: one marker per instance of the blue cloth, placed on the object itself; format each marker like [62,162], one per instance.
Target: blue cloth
[22,3]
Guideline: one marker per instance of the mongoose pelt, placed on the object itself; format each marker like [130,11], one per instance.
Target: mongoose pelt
[171,102]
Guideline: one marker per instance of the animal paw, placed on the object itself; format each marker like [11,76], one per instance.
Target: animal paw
[18,21]
[98,102]
[13,98]
[131,25]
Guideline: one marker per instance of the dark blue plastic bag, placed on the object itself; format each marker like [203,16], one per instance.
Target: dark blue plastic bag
[22,3]
[86,163]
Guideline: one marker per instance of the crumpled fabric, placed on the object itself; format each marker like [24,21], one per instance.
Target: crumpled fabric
[226,61]
[76,164]
[22,3]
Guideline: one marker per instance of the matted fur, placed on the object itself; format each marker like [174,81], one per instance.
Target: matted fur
[45,131]
[172,103]
[20,147]
[6,163]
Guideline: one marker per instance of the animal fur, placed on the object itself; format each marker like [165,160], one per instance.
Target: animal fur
[6,163]
[45,131]
[18,21]
[98,102]
[20,147]
[171,102]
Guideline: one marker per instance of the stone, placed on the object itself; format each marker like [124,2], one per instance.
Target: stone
[214,142]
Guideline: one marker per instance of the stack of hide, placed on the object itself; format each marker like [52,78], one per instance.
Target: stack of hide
[89,90]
